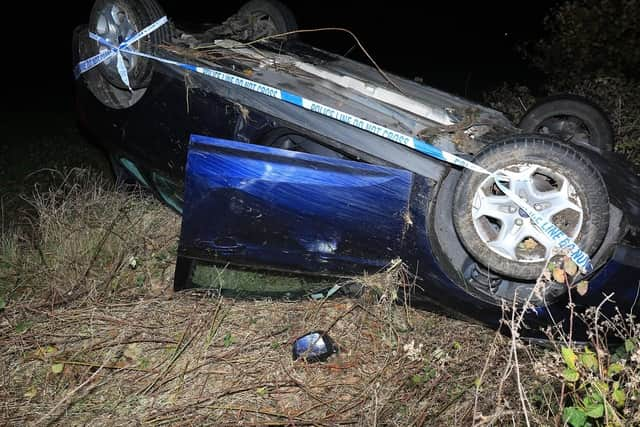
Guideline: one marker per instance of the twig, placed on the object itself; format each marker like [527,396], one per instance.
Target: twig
[492,351]
[255,411]
[176,355]
[451,402]
[69,395]
[101,244]
[101,366]
[521,393]
[309,393]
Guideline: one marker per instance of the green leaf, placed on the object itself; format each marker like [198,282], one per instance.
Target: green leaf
[57,368]
[619,397]
[602,387]
[261,391]
[574,416]
[615,369]
[589,361]
[570,375]
[569,357]
[417,379]
[3,303]
[629,345]
[23,326]
[595,411]
[228,339]
[144,363]
[592,399]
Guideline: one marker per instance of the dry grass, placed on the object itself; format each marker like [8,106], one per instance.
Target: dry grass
[79,240]
[190,360]
[87,338]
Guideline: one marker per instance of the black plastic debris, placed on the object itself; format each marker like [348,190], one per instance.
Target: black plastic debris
[313,347]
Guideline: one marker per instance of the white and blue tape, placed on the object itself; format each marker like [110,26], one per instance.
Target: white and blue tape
[88,64]
[563,241]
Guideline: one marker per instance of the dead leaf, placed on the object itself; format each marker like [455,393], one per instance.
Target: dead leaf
[43,352]
[529,244]
[582,287]
[31,392]
[559,275]
[570,267]
[133,352]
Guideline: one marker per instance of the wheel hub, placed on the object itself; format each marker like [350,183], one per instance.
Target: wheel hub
[114,25]
[567,128]
[507,230]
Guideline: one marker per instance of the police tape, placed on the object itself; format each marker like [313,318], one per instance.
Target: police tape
[564,242]
[86,65]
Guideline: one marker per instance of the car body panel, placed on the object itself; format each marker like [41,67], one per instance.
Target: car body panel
[268,207]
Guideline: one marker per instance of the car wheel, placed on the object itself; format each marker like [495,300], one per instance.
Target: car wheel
[115,20]
[555,179]
[269,17]
[572,119]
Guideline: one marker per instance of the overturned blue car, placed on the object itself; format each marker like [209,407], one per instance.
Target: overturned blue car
[284,157]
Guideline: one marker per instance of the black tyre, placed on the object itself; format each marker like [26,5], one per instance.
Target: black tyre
[115,20]
[555,179]
[572,119]
[269,16]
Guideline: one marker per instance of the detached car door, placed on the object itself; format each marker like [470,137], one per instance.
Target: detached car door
[272,208]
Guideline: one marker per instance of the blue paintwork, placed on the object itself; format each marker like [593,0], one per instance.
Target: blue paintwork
[276,208]
[266,207]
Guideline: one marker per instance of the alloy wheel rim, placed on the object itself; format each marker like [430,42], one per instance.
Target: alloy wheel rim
[114,24]
[507,230]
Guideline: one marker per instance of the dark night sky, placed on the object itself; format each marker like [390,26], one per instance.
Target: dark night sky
[463,48]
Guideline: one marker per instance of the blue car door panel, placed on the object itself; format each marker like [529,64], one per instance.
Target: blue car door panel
[267,207]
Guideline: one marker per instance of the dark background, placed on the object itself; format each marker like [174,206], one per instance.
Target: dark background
[464,48]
